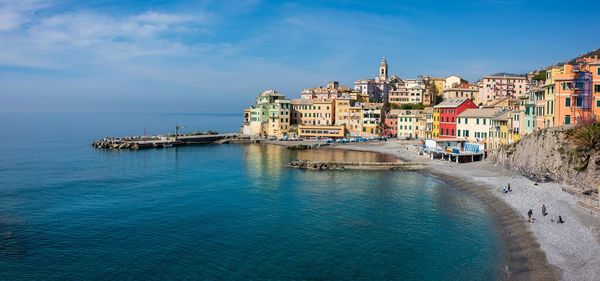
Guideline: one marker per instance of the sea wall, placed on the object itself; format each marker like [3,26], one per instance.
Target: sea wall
[552,155]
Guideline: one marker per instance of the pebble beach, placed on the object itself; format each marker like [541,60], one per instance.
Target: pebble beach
[569,251]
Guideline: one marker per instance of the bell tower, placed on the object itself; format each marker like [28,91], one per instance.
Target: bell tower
[383,70]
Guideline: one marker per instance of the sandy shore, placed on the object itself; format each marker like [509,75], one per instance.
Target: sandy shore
[543,250]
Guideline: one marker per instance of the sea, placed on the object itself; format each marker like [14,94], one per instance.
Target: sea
[221,212]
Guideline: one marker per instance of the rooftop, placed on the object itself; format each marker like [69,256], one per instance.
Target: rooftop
[270,92]
[480,112]
[449,103]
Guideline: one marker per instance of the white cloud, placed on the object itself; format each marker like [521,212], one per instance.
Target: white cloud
[51,41]
[16,13]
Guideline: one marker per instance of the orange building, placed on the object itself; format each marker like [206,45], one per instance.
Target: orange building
[577,92]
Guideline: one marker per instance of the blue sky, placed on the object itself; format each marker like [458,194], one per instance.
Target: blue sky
[216,56]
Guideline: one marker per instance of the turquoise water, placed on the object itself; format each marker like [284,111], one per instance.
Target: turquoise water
[220,212]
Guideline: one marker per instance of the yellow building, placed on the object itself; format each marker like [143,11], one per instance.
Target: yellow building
[355,121]
[342,111]
[550,94]
[371,119]
[499,132]
[410,124]
[427,118]
[313,112]
[435,133]
[316,131]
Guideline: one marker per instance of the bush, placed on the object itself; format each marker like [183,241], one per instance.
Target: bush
[587,137]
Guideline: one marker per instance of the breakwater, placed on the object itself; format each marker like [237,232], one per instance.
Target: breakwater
[141,142]
[321,166]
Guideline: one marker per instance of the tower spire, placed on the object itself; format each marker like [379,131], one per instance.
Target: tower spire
[383,70]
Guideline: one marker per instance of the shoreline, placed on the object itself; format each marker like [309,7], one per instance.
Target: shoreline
[543,250]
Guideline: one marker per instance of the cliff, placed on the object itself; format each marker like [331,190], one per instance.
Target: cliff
[566,154]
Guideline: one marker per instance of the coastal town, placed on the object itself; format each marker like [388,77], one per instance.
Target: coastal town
[538,131]
[495,110]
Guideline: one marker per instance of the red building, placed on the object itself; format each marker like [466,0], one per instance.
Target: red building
[391,123]
[448,111]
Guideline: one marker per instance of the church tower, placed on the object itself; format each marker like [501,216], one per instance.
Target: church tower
[383,70]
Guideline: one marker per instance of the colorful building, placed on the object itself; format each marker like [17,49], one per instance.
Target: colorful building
[427,131]
[435,132]
[371,119]
[269,116]
[500,131]
[499,86]
[316,131]
[574,96]
[409,124]
[474,124]
[391,123]
[448,111]
[313,112]
[461,91]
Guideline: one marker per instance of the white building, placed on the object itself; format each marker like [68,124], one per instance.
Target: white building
[474,124]
[377,88]
[452,81]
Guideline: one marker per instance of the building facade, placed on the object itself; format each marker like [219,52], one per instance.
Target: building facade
[269,116]
[474,124]
[448,111]
[499,86]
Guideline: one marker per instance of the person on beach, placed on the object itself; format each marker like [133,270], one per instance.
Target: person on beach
[560,220]
[529,214]
[544,210]
[509,190]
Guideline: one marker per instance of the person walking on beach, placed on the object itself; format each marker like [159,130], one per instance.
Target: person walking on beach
[560,220]
[544,210]
[529,214]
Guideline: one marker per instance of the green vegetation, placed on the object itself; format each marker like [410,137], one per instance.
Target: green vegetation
[541,76]
[417,106]
[586,138]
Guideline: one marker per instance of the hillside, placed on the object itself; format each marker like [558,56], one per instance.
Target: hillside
[566,154]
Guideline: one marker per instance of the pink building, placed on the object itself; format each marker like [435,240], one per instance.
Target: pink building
[496,86]
[391,123]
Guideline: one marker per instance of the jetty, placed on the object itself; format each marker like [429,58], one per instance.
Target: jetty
[322,166]
[143,142]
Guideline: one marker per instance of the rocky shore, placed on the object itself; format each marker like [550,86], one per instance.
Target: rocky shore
[321,166]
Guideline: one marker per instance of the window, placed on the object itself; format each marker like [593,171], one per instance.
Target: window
[567,119]
[597,88]
[579,101]
[567,102]
[453,132]
[598,103]
[484,121]
[598,70]
[458,133]
[458,121]
[477,122]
